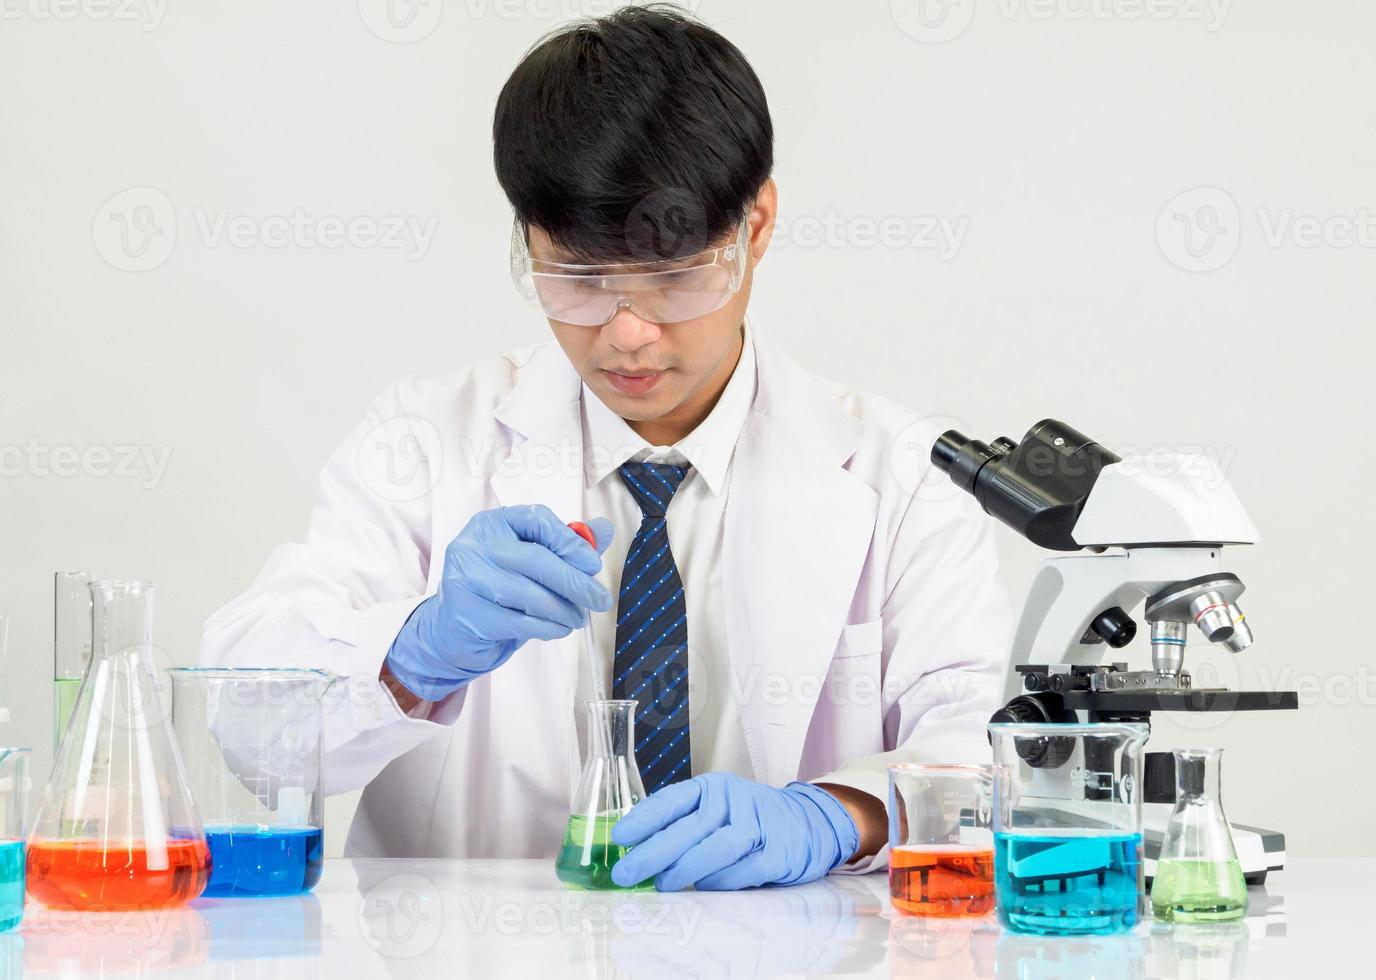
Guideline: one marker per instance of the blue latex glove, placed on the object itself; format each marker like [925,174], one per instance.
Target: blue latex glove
[721,832]
[511,575]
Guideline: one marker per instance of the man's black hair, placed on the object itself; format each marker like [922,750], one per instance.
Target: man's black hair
[641,135]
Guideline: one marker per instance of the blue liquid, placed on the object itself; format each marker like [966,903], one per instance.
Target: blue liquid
[1067,886]
[11,883]
[252,861]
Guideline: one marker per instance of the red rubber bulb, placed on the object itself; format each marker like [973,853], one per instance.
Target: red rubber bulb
[583,531]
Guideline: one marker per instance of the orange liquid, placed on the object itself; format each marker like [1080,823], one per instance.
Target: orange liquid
[947,881]
[114,875]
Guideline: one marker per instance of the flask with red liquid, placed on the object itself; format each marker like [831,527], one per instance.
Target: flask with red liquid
[117,829]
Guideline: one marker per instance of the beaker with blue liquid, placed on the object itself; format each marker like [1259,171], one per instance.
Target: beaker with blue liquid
[14,806]
[251,739]
[1068,827]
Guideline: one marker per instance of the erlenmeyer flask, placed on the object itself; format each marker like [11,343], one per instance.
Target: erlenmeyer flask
[71,644]
[117,828]
[610,786]
[1198,876]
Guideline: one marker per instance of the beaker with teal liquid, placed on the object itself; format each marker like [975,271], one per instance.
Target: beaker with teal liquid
[14,809]
[609,787]
[1068,827]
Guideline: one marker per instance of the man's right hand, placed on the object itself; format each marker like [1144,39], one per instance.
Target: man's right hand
[512,575]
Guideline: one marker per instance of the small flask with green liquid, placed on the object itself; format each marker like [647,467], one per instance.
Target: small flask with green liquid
[610,786]
[1198,876]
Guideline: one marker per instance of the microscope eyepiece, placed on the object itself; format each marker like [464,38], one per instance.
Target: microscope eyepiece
[1037,487]
[961,457]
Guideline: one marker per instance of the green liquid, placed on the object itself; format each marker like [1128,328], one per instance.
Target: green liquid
[1199,891]
[588,854]
[64,700]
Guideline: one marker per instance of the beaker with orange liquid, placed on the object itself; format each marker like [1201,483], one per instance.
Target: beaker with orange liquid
[117,829]
[941,839]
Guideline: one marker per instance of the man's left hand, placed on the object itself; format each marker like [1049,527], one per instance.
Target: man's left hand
[720,832]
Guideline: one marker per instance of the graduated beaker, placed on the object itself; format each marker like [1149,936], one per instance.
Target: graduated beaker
[1198,875]
[1068,826]
[251,740]
[117,828]
[14,809]
[609,787]
[941,839]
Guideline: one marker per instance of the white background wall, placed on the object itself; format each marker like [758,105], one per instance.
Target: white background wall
[1056,135]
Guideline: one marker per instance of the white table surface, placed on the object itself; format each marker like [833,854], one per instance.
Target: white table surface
[513,920]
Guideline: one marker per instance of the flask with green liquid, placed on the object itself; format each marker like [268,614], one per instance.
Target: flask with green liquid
[610,786]
[1198,876]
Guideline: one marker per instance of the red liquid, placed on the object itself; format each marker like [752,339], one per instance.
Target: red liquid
[114,875]
[946,881]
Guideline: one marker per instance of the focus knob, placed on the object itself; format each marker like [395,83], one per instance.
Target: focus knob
[1114,627]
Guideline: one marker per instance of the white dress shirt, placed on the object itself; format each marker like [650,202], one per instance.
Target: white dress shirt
[696,520]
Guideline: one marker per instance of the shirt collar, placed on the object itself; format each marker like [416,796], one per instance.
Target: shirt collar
[708,448]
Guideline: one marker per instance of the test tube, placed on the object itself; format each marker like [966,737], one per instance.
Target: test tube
[71,644]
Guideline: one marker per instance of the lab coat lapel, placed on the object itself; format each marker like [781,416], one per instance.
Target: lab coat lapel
[798,529]
[544,463]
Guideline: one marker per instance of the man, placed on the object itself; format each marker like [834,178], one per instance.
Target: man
[789,615]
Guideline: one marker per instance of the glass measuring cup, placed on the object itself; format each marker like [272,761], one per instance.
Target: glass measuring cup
[14,808]
[251,738]
[941,841]
[1068,827]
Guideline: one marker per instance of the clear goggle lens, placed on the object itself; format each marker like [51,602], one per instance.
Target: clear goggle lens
[669,291]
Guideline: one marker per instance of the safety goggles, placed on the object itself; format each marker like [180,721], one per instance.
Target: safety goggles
[667,291]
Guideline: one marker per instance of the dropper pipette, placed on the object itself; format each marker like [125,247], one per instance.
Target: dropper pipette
[589,646]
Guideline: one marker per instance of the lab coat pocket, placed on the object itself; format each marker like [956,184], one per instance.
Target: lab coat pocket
[849,718]
[860,640]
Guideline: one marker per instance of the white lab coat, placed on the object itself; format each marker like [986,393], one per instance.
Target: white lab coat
[866,621]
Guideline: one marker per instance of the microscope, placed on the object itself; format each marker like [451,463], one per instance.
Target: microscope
[1147,530]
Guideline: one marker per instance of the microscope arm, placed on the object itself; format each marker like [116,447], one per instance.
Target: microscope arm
[1068,592]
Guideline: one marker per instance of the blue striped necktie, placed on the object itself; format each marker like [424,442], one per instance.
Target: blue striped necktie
[651,662]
